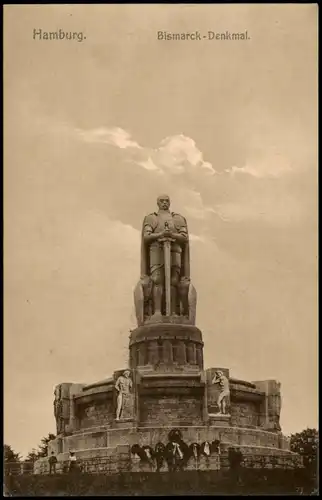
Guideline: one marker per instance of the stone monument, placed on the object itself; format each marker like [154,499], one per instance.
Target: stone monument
[164,293]
[122,423]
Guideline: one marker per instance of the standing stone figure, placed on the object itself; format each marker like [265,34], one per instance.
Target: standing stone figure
[58,411]
[62,407]
[223,398]
[164,229]
[123,387]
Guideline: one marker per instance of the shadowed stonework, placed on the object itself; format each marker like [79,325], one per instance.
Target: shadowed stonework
[165,411]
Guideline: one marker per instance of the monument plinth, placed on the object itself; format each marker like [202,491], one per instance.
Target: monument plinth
[166,344]
[165,399]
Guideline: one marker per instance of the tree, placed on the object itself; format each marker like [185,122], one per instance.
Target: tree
[42,451]
[9,455]
[32,456]
[306,443]
[11,460]
[43,447]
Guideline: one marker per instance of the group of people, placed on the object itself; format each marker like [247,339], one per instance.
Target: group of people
[72,463]
[176,453]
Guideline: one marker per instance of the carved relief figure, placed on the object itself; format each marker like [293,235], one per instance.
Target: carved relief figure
[223,398]
[62,408]
[278,406]
[90,412]
[274,407]
[123,387]
[58,411]
[164,288]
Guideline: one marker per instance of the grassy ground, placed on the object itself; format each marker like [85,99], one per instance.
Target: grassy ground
[246,482]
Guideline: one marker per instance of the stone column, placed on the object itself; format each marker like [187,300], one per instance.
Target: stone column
[205,415]
[153,352]
[72,415]
[181,350]
[191,353]
[175,351]
[142,354]
[270,408]
[199,356]
[133,357]
[167,354]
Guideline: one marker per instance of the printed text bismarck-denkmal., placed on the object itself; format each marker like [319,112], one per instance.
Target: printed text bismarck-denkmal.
[197,35]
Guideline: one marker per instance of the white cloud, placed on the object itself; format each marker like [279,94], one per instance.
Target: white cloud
[148,165]
[175,154]
[115,136]
[274,165]
[178,153]
[196,208]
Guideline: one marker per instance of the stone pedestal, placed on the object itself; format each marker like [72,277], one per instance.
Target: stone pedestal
[166,344]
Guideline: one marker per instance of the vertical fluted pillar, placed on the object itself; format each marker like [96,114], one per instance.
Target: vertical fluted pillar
[175,351]
[191,353]
[72,414]
[133,357]
[142,354]
[167,354]
[199,356]
[153,352]
[181,349]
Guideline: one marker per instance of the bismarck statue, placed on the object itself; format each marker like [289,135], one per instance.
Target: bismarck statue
[165,384]
[164,292]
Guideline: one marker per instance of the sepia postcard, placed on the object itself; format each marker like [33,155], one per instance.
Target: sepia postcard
[160,249]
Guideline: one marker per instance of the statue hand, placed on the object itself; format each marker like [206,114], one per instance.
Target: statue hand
[164,233]
[167,232]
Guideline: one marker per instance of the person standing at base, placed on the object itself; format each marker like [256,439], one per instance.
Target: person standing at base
[72,462]
[52,463]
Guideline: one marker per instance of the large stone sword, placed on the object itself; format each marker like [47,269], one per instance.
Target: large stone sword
[167,270]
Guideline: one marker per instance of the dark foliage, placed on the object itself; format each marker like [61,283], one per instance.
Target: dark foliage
[306,443]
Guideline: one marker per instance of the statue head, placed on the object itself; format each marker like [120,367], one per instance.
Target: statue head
[163,202]
[126,373]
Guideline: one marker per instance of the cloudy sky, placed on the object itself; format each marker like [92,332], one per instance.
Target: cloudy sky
[94,131]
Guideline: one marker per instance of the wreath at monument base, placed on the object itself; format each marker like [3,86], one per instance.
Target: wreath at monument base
[175,436]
